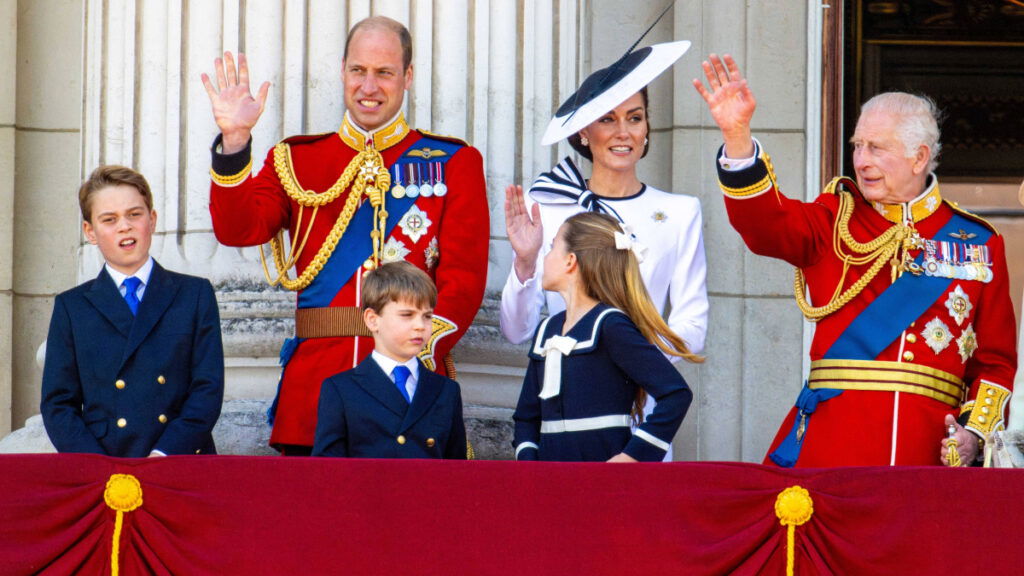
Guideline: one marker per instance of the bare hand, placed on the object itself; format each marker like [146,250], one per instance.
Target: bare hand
[730,102]
[967,443]
[234,108]
[622,457]
[525,232]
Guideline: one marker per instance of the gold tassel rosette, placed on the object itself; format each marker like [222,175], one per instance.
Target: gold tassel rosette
[891,247]
[366,175]
[794,507]
[123,494]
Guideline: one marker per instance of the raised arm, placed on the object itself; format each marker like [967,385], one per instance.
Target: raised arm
[525,232]
[730,102]
[234,108]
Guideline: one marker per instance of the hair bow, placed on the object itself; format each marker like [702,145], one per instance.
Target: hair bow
[626,240]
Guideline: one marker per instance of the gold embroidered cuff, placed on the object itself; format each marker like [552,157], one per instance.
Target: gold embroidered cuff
[989,407]
[760,187]
[234,179]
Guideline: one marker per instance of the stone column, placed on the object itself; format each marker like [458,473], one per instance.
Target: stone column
[48,156]
[755,335]
[8,70]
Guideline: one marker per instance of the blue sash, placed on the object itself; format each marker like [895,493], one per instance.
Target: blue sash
[355,246]
[878,325]
[874,329]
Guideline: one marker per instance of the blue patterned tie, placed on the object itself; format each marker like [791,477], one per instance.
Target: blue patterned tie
[131,295]
[401,374]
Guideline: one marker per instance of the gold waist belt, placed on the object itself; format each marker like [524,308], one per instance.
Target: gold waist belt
[875,375]
[330,322]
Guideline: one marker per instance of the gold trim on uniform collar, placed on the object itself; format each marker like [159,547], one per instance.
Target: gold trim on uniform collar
[383,138]
[919,208]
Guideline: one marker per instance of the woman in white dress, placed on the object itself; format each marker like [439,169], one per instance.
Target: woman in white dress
[614,138]
[606,121]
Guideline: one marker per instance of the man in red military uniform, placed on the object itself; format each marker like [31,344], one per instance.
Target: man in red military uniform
[375,191]
[915,338]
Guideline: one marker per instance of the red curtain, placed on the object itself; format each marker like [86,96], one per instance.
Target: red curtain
[267,515]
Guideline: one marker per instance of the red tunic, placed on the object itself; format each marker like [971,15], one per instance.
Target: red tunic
[862,427]
[447,237]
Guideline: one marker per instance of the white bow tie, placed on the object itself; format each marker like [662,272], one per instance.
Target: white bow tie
[554,349]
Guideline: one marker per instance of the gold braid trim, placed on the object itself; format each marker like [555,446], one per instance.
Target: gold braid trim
[374,179]
[232,180]
[884,249]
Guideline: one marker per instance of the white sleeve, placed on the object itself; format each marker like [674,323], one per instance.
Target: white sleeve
[521,303]
[688,294]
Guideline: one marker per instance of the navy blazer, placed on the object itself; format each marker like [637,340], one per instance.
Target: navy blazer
[125,385]
[363,415]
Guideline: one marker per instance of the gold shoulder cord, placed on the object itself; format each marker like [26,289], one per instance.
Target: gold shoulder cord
[374,179]
[886,248]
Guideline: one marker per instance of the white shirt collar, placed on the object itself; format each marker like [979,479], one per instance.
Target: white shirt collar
[388,365]
[142,273]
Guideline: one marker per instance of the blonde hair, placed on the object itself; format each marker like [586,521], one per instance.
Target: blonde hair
[602,269]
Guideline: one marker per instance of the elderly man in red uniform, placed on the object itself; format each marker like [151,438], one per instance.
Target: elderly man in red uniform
[375,191]
[914,353]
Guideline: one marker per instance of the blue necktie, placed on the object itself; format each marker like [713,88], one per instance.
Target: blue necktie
[131,295]
[401,374]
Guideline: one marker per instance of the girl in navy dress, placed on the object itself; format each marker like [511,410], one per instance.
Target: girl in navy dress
[593,365]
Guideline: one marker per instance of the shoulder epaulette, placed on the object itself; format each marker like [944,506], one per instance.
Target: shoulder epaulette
[307,138]
[453,139]
[969,215]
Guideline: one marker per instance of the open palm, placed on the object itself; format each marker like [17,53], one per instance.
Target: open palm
[235,109]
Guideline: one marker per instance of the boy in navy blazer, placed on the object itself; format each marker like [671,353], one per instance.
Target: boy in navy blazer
[390,405]
[134,360]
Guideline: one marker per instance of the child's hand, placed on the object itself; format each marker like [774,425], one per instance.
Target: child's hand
[622,457]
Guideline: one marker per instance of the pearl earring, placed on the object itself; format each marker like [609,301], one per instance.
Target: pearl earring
[645,141]
[584,141]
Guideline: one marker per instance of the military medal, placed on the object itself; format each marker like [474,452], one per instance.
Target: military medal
[427,189]
[413,189]
[398,191]
[440,189]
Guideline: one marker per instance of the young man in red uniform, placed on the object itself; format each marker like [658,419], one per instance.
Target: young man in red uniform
[373,192]
[915,338]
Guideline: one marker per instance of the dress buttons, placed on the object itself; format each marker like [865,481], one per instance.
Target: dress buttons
[991,392]
[985,410]
[912,338]
[161,380]
[982,419]
[162,419]
[121,422]
[119,384]
[988,401]
[908,356]
[431,442]
[400,439]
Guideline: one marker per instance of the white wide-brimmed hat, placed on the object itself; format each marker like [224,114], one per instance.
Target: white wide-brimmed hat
[607,88]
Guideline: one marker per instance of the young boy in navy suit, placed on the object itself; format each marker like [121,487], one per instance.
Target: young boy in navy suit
[134,361]
[390,405]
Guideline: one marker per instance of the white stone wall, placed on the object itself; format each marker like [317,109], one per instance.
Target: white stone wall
[8,66]
[42,53]
[117,81]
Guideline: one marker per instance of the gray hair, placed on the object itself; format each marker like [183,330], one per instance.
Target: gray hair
[918,121]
